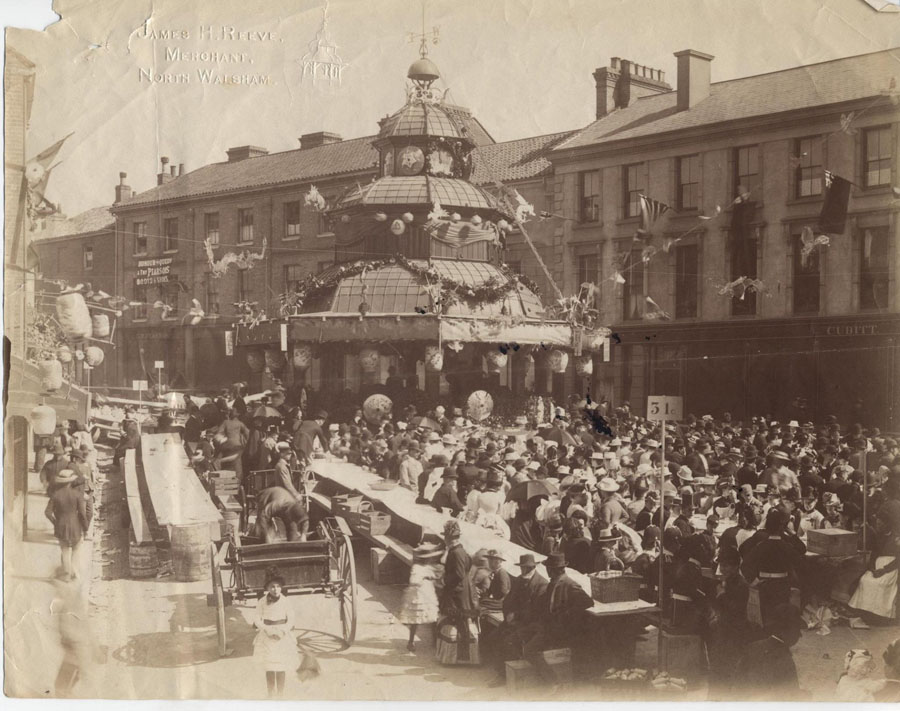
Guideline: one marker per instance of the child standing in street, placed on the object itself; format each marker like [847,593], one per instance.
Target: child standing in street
[419,605]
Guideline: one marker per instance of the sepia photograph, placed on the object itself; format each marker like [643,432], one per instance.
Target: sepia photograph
[445,350]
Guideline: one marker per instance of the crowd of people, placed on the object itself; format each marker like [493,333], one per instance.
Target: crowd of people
[722,515]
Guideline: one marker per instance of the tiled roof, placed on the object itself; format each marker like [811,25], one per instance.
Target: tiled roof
[804,87]
[288,166]
[422,189]
[421,120]
[394,290]
[93,220]
[515,160]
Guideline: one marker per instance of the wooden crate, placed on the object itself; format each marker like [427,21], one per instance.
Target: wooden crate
[560,663]
[832,542]
[520,676]
[387,569]
[372,522]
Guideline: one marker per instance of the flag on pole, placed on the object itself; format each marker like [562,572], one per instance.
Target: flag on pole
[37,175]
[651,211]
[833,218]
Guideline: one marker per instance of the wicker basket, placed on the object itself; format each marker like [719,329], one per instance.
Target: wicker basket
[372,522]
[615,587]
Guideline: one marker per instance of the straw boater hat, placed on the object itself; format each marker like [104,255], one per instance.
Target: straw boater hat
[607,535]
[449,439]
[685,473]
[782,455]
[608,484]
[65,476]
[427,551]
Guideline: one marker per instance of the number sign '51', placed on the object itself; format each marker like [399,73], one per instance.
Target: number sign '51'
[663,407]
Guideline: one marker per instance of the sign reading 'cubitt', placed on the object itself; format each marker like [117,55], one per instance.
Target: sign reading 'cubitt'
[154,271]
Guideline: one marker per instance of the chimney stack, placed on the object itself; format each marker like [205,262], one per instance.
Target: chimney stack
[180,169]
[624,81]
[319,138]
[693,77]
[123,192]
[164,176]
[243,152]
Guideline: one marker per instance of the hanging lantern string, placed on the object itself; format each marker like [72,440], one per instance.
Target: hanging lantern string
[463,131]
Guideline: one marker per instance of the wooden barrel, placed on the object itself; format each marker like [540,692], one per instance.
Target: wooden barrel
[231,521]
[114,554]
[190,551]
[143,561]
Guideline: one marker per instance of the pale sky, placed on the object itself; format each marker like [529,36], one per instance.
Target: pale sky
[523,66]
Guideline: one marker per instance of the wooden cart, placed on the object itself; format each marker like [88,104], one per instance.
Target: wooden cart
[323,566]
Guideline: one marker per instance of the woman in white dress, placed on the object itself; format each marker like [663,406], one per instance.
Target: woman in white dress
[419,604]
[876,592]
[275,645]
[485,508]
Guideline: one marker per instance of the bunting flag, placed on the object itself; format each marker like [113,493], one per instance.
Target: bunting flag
[37,175]
[651,211]
[833,218]
[741,215]
[809,241]
[544,230]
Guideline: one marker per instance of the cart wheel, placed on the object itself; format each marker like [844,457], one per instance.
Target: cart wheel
[216,573]
[347,596]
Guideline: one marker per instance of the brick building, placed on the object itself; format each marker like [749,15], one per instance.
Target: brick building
[823,338]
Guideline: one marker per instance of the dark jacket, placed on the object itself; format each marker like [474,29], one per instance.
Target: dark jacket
[524,598]
[498,590]
[445,497]
[771,554]
[766,672]
[306,436]
[561,605]
[457,596]
[578,554]
[67,510]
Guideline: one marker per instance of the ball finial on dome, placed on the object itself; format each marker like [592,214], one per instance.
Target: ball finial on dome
[423,71]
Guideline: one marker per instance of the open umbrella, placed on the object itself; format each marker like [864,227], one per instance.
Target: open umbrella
[425,423]
[561,437]
[533,487]
[267,412]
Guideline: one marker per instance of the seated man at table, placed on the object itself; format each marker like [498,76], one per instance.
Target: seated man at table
[560,616]
[277,502]
[445,497]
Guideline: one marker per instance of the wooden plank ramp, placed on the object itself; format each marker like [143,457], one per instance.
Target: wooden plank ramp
[178,496]
[139,525]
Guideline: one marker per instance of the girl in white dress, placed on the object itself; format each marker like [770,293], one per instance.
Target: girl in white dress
[275,645]
[419,604]
[485,508]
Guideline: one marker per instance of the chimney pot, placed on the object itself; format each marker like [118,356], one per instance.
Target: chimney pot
[693,77]
[174,170]
[181,169]
[123,192]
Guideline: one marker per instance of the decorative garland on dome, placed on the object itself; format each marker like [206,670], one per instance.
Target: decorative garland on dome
[451,290]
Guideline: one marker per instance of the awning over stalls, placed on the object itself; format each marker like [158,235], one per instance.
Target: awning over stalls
[333,328]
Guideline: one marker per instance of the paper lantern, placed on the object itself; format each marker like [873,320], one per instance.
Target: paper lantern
[398,227]
[73,316]
[476,220]
[100,323]
[496,361]
[43,420]
[455,217]
[376,407]
[64,354]
[503,226]
[369,359]
[408,217]
[434,358]
[51,374]
[558,360]
[480,405]
[380,216]
[345,219]
[93,356]
[584,365]
[302,357]
[274,360]
[256,361]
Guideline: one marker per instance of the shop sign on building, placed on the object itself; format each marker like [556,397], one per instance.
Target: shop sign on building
[154,271]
